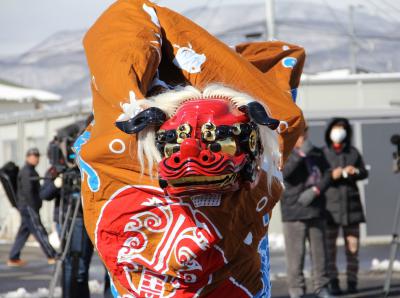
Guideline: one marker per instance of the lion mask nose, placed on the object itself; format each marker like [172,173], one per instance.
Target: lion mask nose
[190,148]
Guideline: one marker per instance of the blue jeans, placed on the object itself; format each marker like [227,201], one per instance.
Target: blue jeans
[31,224]
[77,262]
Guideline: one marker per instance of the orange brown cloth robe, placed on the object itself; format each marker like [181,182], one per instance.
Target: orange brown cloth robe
[136,46]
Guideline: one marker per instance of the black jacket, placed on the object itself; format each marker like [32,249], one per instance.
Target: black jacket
[28,188]
[343,203]
[49,192]
[296,175]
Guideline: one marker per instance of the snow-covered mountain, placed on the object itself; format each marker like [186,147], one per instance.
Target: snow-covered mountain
[321,30]
[58,64]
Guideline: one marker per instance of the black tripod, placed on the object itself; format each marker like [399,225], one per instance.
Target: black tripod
[70,193]
[394,247]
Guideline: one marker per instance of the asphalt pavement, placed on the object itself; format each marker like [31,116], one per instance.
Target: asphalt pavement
[36,275]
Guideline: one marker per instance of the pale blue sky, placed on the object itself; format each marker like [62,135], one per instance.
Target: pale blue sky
[24,24]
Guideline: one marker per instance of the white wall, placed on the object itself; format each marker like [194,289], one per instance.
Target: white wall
[358,93]
[12,106]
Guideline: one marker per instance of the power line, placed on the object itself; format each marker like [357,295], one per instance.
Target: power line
[335,17]
[345,30]
[214,12]
[208,3]
[391,6]
[383,11]
[376,37]
[353,38]
[306,27]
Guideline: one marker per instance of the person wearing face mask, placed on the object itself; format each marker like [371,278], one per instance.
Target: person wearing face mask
[306,177]
[343,204]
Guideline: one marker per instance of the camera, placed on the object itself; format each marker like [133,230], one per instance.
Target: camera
[60,153]
[395,140]
[55,155]
[62,159]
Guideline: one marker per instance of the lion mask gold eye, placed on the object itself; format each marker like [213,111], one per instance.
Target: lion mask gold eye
[170,149]
[253,141]
[183,132]
[227,145]
[208,132]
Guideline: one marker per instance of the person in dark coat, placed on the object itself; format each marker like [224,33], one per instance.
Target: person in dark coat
[49,192]
[29,204]
[306,177]
[75,277]
[343,203]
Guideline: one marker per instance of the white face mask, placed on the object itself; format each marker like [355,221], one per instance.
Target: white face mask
[338,135]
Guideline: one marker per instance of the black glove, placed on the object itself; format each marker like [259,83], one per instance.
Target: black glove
[306,147]
[306,197]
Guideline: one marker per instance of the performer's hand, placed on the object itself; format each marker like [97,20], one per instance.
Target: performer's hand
[337,173]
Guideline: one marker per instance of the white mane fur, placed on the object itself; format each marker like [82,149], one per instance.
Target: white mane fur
[170,101]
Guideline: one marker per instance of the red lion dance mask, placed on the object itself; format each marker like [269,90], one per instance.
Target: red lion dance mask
[210,144]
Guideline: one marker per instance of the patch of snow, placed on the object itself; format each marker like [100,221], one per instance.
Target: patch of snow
[23,293]
[377,265]
[32,244]
[95,287]
[60,43]
[281,275]
[54,240]
[276,242]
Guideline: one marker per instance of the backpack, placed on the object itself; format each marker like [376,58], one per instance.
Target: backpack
[9,178]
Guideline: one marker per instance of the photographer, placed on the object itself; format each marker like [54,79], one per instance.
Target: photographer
[62,184]
[29,204]
[49,191]
[343,203]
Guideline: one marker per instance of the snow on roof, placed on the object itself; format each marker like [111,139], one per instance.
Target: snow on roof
[15,93]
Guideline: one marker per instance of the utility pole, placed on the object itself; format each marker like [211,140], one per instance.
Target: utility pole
[270,19]
[353,41]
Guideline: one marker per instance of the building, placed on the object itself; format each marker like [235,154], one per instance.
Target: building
[372,103]
[17,105]
[15,98]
